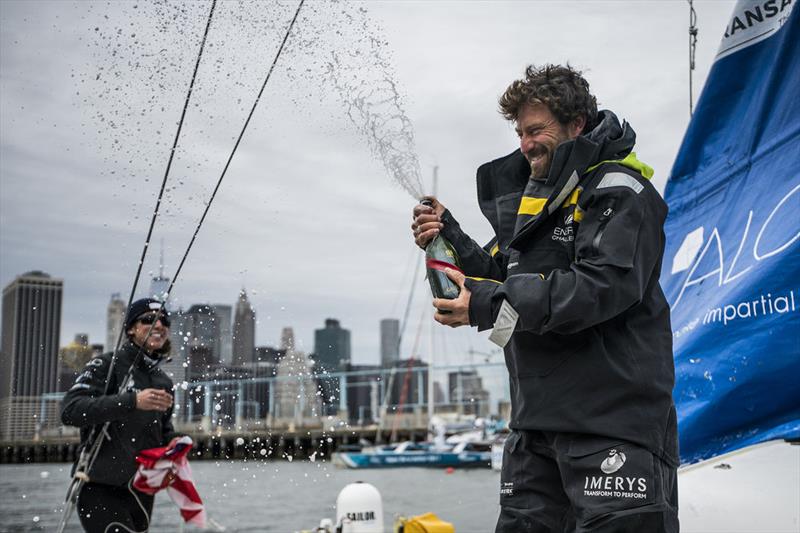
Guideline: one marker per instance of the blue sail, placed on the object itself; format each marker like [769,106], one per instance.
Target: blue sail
[731,266]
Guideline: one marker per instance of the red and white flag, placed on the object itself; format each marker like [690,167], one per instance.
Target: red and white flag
[168,468]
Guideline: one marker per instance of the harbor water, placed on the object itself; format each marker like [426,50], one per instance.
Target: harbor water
[285,496]
[275,496]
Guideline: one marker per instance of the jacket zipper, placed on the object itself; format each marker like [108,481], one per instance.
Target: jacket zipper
[608,212]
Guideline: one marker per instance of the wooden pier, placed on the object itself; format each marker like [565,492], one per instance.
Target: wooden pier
[263,445]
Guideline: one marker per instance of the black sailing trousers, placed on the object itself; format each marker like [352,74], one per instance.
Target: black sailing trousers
[567,482]
[110,509]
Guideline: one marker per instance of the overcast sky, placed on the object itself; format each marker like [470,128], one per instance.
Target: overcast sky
[309,218]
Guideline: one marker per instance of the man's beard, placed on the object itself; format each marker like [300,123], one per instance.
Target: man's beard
[542,161]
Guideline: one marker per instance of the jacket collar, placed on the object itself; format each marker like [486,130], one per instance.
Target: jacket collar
[129,351]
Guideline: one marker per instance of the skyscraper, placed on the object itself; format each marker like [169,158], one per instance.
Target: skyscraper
[201,338]
[466,392]
[331,354]
[30,334]
[225,344]
[179,333]
[390,341]
[72,360]
[287,339]
[159,285]
[332,346]
[115,317]
[244,331]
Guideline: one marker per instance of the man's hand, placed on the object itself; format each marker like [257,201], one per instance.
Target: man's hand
[153,400]
[459,308]
[427,221]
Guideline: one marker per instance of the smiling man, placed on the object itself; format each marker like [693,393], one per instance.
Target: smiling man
[569,287]
[140,415]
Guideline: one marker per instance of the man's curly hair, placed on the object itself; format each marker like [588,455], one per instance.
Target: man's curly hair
[561,88]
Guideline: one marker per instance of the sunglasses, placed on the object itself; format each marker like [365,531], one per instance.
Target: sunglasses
[151,318]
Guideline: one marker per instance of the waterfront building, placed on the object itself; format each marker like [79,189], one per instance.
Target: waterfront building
[332,346]
[363,394]
[244,331]
[296,399]
[390,341]
[176,364]
[466,393]
[29,359]
[224,347]
[158,288]
[115,318]
[408,385]
[287,339]
[199,340]
[72,360]
[159,285]
[269,355]
[331,354]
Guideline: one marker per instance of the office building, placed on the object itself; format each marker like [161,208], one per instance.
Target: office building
[29,359]
[408,385]
[225,345]
[269,355]
[244,331]
[390,341]
[115,318]
[466,393]
[72,360]
[296,399]
[159,285]
[331,354]
[200,340]
[287,339]
[363,394]
[332,346]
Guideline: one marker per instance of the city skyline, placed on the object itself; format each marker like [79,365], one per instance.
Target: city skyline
[115,314]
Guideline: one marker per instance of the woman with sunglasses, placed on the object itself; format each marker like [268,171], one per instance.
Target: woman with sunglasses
[140,414]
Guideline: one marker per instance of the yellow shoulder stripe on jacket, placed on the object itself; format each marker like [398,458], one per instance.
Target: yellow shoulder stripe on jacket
[474,278]
[573,198]
[531,206]
[494,250]
[631,162]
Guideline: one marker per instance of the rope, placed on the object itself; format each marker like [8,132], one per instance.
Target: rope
[161,191]
[408,305]
[235,147]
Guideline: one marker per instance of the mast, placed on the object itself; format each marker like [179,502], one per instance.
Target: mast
[431,407]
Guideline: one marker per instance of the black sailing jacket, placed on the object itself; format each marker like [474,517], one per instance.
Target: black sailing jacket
[131,430]
[578,256]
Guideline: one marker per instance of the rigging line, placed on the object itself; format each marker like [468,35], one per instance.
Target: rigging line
[404,389]
[235,147]
[87,458]
[412,259]
[692,48]
[389,384]
[213,194]
[409,301]
[163,186]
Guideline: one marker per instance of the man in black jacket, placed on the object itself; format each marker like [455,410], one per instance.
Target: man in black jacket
[569,287]
[140,414]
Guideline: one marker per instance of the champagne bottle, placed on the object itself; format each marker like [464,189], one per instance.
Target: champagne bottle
[440,254]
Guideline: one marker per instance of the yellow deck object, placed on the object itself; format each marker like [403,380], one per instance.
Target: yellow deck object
[424,523]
